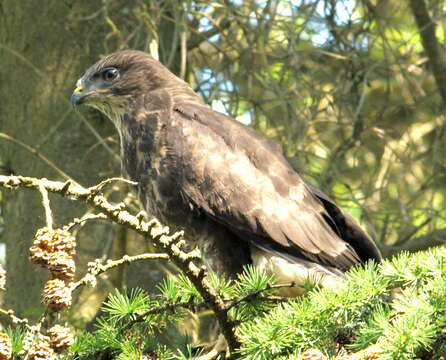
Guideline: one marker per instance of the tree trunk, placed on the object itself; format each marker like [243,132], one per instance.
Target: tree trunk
[39,68]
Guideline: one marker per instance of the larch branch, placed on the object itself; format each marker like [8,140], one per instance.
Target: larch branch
[159,234]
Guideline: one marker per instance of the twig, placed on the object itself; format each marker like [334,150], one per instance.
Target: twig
[230,303]
[234,302]
[15,319]
[84,219]
[161,309]
[46,206]
[200,37]
[159,234]
[95,268]
[198,277]
[34,330]
[97,188]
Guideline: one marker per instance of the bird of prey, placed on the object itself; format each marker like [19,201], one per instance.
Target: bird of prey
[229,188]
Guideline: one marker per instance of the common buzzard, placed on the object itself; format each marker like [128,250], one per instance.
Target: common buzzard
[228,187]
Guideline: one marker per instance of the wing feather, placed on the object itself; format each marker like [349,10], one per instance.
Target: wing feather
[246,184]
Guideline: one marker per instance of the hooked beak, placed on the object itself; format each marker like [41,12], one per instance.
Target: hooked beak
[81,94]
[77,97]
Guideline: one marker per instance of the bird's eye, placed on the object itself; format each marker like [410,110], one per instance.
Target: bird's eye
[110,74]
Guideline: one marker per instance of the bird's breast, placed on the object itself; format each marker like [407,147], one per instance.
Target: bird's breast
[147,159]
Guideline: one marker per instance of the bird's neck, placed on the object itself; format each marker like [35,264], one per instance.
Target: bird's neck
[142,130]
[144,127]
[183,93]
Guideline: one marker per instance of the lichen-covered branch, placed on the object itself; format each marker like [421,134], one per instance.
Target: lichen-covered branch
[170,243]
[84,219]
[13,318]
[96,268]
[46,206]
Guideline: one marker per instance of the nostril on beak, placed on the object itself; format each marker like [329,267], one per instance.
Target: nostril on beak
[76,97]
[78,89]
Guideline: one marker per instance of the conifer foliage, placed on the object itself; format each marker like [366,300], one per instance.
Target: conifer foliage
[395,310]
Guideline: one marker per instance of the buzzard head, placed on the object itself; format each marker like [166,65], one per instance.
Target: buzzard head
[117,81]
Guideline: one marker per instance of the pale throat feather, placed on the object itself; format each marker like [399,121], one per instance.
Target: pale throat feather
[114,109]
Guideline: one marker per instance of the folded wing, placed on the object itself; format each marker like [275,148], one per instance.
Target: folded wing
[241,180]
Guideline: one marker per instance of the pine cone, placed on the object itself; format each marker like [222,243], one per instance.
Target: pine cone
[56,295]
[60,338]
[5,347]
[2,278]
[28,342]
[55,240]
[313,354]
[62,266]
[38,256]
[42,351]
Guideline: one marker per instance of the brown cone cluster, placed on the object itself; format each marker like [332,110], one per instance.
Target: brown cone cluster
[62,266]
[5,347]
[37,346]
[56,295]
[42,351]
[47,242]
[60,338]
[54,250]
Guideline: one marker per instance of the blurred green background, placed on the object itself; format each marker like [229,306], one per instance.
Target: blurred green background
[354,91]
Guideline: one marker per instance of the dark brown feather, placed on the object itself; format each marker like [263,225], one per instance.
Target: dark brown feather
[226,185]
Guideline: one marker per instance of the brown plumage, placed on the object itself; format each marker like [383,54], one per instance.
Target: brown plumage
[228,187]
